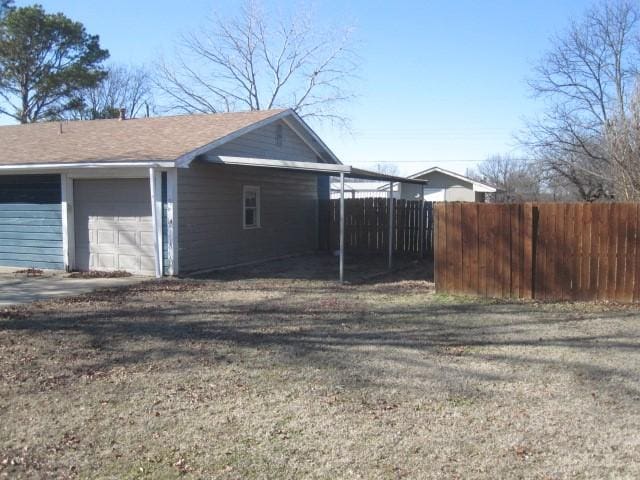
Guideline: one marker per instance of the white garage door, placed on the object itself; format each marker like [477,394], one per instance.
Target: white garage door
[434,194]
[113,225]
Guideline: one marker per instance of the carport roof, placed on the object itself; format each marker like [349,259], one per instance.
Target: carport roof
[317,168]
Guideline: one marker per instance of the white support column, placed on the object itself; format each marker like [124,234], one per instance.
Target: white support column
[172,220]
[341,227]
[68,235]
[156,215]
[391,220]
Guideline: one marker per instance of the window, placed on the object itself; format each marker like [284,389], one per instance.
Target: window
[250,206]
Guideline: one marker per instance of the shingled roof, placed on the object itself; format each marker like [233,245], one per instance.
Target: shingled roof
[134,140]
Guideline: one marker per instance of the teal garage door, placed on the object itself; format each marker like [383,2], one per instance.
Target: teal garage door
[31,221]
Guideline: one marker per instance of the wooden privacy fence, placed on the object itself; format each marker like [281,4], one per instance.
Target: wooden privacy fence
[547,251]
[366,222]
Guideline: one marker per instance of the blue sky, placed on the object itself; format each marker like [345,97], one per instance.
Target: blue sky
[442,82]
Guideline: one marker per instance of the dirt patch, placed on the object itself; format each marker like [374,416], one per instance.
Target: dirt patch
[100,274]
[30,272]
[274,376]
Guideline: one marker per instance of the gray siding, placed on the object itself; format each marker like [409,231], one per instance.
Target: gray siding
[210,215]
[459,194]
[31,221]
[324,195]
[410,191]
[261,143]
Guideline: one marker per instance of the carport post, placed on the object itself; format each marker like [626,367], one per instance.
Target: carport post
[341,227]
[391,219]
[423,242]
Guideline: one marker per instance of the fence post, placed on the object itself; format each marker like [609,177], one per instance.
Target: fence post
[439,251]
[391,220]
[341,227]
[528,282]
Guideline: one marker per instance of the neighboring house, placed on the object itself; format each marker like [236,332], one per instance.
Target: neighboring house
[358,190]
[442,186]
[446,186]
[161,195]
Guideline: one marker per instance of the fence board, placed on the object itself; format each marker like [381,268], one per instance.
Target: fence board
[586,234]
[540,258]
[469,243]
[629,256]
[516,250]
[542,251]
[528,251]
[594,261]
[367,227]
[636,262]
[581,238]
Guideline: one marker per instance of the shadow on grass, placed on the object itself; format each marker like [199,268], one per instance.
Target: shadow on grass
[325,267]
[327,327]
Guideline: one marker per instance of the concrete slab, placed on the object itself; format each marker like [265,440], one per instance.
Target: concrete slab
[18,288]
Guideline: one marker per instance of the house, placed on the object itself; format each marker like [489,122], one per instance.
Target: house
[168,195]
[441,185]
[446,186]
[362,189]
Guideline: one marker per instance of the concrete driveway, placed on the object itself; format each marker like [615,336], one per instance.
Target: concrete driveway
[18,288]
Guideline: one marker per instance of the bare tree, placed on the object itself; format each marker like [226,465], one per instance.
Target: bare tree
[254,61]
[622,140]
[387,168]
[516,179]
[123,87]
[586,81]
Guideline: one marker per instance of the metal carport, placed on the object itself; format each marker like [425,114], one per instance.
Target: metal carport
[329,170]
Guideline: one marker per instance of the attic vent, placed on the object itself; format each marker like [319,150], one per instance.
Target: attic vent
[279,135]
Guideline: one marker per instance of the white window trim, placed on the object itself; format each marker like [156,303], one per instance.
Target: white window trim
[256,189]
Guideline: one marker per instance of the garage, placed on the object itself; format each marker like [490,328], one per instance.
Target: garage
[31,221]
[113,225]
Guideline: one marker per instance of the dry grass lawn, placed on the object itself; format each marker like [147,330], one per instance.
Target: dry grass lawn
[262,373]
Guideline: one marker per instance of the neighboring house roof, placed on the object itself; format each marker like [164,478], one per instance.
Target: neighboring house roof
[175,139]
[477,186]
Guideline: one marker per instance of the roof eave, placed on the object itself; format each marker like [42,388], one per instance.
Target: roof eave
[477,186]
[315,137]
[88,165]
[185,160]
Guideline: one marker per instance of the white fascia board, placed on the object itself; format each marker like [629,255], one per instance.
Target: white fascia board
[423,172]
[315,136]
[304,140]
[286,164]
[480,187]
[477,186]
[78,166]
[299,121]
[184,160]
